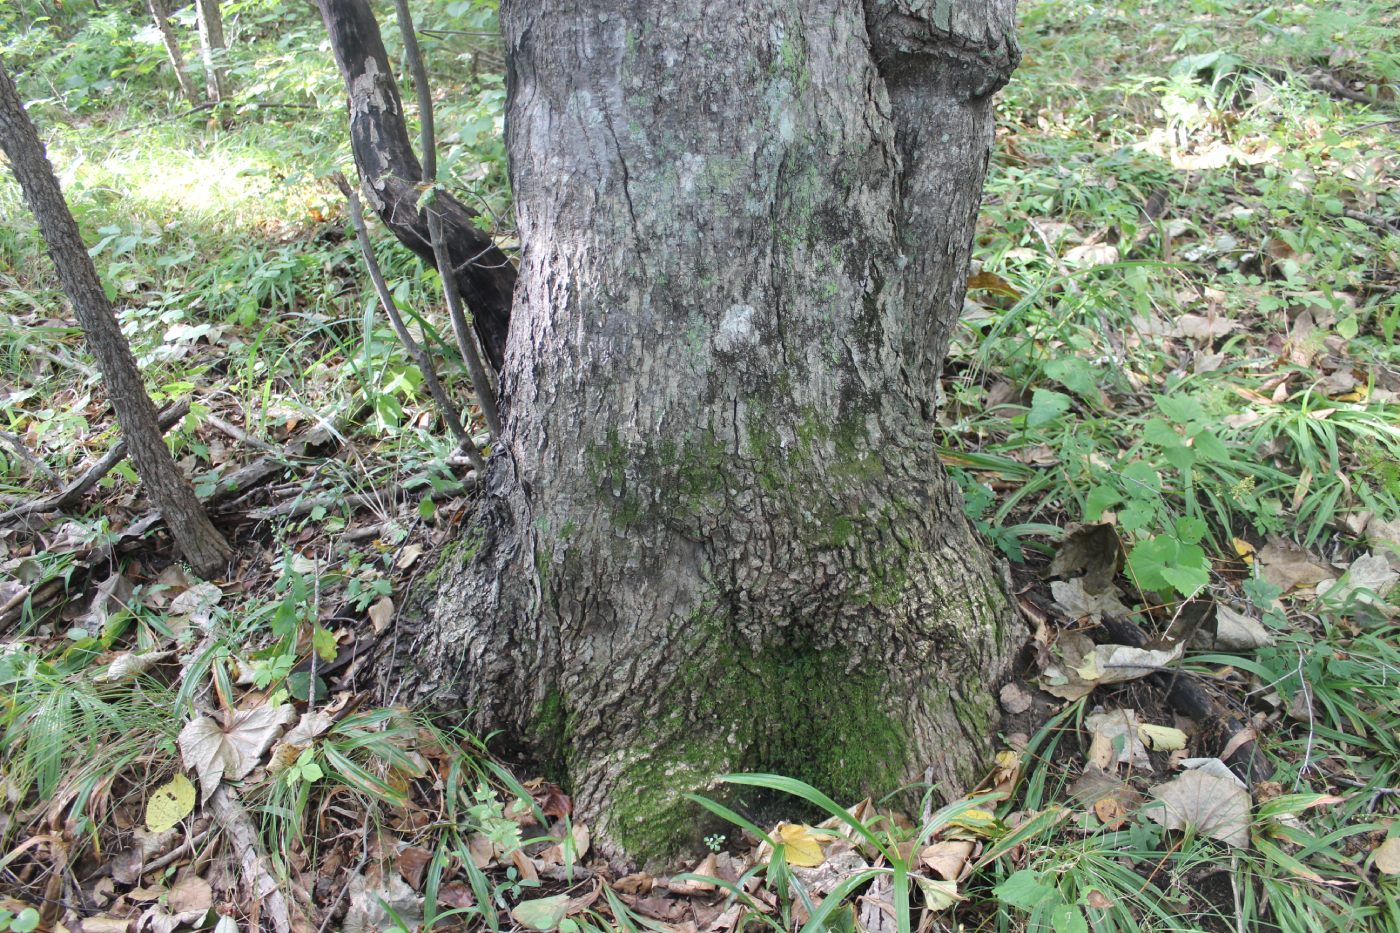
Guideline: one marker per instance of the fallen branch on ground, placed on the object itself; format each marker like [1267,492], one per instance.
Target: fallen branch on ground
[80,486]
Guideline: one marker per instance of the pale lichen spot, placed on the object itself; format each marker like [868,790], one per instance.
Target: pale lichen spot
[692,167]
[736,330]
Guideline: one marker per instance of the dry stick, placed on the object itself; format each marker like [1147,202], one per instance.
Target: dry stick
[238,434]
[76,489]
[36,464]
[466,340]
[242,832]
[198,540]
[415,349]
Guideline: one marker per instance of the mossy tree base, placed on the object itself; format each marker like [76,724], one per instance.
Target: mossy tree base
[717,536]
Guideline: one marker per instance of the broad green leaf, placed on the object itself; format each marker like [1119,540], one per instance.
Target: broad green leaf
[1024,889]
[1046,406]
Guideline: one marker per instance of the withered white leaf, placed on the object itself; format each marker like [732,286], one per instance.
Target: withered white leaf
[216,753]
[129,665]
[1213,806]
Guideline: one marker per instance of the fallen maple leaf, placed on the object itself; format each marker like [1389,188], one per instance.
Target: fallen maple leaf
[218,753]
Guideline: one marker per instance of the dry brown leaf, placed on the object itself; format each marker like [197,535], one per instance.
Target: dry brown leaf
[635,883]
[1287,566]
[948,859]
[1092,551]
[692,886]
[1110,811]
[1204,329]
[1065,675]
[1015,699]
[1368,577]
[1098,900]
[1207,803]
[190,893]
[990,281]
[1116,739]
[308,728]
[1092,254]
[1386,856]
[408,556]
[1095,784]
[1073,597]
[216,753]
[381,613]
[197,603]
[483,851]
[412,862]
[1118,663]
[1235,631]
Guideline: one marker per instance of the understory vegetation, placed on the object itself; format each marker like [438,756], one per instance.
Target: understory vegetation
[1173,404]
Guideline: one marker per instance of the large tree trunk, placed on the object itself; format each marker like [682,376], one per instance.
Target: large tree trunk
[391,175]
[199,541]
[718,536]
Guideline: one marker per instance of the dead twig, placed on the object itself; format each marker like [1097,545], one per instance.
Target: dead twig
[80,486]
[238,434]
[415,349]
[37,466]
[242,834]
[466,340]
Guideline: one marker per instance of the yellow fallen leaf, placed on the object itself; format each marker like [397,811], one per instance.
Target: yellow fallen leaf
[171,803]
[1162,738]
[801,845]
[979,823]
[1386,858]
[1244,549]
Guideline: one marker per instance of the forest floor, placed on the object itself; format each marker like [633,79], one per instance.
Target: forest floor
[1174,405]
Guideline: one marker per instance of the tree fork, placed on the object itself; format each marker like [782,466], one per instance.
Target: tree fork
[391,176]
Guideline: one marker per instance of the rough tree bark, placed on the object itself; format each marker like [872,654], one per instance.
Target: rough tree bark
[212,48]
[199,541]
[718,535]
[391,175]
[160,13]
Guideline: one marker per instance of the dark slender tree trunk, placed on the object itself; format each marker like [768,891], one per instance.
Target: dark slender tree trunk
[160,13]
[212,48]
[718,536]
[391,174]
[199,541]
